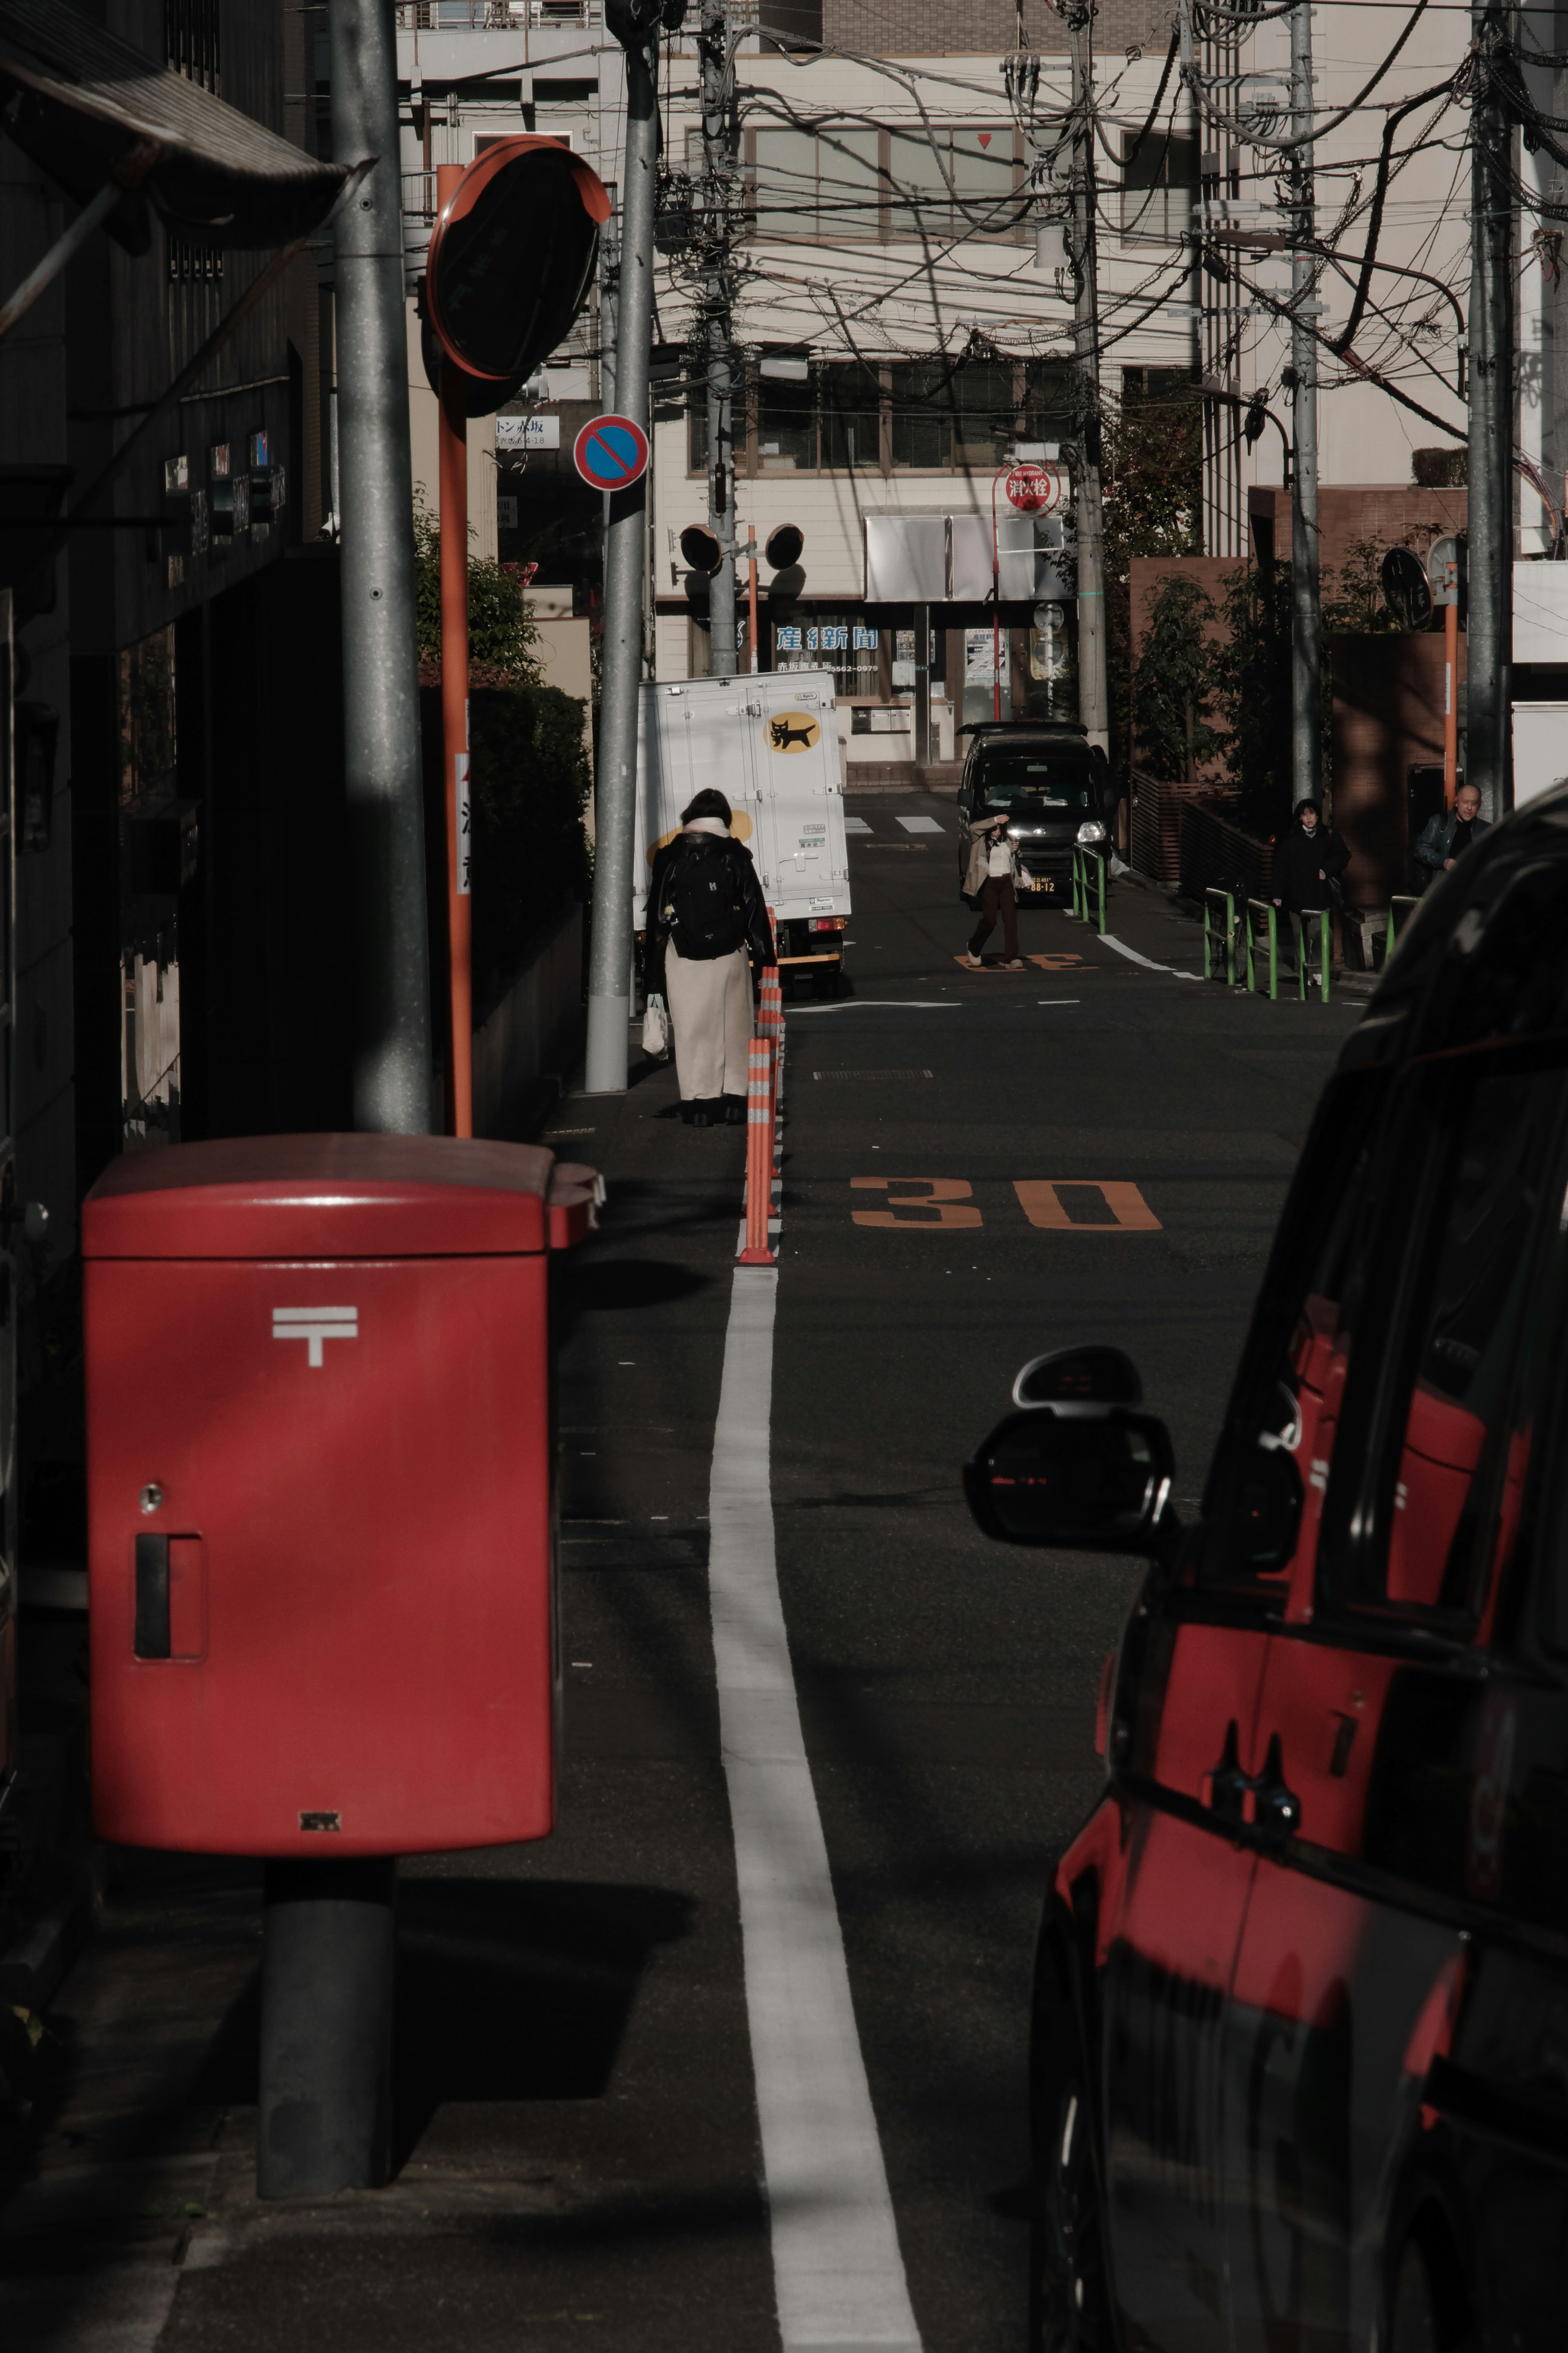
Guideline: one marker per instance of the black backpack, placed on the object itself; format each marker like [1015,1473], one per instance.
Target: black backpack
[702,904]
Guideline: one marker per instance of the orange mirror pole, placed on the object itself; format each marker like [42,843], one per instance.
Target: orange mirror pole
[454,521]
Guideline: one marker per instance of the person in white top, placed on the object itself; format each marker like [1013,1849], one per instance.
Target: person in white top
[992,882]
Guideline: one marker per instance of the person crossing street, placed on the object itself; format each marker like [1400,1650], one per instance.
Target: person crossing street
[991,885]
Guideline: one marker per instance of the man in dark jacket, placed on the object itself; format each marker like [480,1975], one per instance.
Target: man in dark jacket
[1445,839]
[1307,865]
[707,929]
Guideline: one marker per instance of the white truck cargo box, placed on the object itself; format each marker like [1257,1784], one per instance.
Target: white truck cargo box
[770,745]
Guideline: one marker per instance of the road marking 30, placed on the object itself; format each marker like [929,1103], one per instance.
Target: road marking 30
[1128,1212]
[947,1201]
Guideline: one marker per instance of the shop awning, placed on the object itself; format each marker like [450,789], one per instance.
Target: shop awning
[80,102]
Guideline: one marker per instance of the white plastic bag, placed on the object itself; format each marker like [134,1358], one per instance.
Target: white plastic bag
[655,1028]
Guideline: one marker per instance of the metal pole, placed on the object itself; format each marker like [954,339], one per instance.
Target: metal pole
[381,680]
[713,48]
[1093,695]
[609,966]
[751,594]
[324,2116]
[1450,701]
[609,281]
[1490,602]
[922,684]
[1306,642]
[995,611]
[325,2121]
[453,467]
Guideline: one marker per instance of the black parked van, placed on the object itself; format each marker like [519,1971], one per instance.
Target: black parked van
[1300,2072]
[1055,786]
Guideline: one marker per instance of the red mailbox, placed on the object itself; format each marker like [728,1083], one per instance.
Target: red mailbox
[321,1486]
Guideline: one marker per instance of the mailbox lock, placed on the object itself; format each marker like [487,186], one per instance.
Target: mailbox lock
[152,1497]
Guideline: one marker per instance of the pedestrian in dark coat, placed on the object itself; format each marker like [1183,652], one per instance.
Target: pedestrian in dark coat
[1308,864]
[1445,838]
[707,928]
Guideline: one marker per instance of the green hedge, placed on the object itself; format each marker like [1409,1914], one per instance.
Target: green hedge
[529,781]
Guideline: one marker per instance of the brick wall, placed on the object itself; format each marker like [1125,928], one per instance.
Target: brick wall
[934,29]
[1396,514]
[1388,717]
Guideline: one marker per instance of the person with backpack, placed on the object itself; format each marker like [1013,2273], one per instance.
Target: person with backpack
[707,927]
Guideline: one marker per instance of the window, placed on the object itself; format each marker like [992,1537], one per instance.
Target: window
[922,414]
[959,182]
[1475,1285]
[940,416]
[1272,1460]
[1157,189]
[852,419]
[849,183]
[787,183]
[1039,783]
[854,180]
[786,425]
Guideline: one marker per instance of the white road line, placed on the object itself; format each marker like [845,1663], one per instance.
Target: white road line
[1147,962]
[838,2274]
[920,825]
[855,825]
[901,1004]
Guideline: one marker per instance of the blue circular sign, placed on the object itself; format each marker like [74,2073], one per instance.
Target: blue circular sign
[610,453]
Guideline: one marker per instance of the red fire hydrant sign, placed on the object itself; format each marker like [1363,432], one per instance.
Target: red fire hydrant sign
[1034,490]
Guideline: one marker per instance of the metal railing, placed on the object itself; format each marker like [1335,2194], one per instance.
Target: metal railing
[1222,936]
[1088,888]
[1262,946]
[1324,951]
[1400,910]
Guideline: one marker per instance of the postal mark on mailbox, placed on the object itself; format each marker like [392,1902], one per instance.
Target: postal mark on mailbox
[314,1324]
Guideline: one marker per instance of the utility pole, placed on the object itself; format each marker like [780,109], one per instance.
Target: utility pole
[1488,697]
[1306,621]
[610,282]
[614,812]
[381,677]
[1093,699]
[327,1928]
[717,295]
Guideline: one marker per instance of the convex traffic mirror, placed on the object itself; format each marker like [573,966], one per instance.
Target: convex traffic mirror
[512,256]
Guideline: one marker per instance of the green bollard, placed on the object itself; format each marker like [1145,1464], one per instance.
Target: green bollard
[1400,910]
[1218,934]
[1263,907]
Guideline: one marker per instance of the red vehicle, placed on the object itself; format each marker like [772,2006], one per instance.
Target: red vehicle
[1300,2073]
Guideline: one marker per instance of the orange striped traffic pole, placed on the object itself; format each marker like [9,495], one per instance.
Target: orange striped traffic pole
[759,1251]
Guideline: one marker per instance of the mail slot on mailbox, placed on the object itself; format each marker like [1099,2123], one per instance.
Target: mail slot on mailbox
[321,1493]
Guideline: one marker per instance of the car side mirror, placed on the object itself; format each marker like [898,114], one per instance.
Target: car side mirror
[1088,1478]
[1095,1375]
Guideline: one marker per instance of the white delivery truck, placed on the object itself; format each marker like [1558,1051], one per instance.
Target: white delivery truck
[769,743]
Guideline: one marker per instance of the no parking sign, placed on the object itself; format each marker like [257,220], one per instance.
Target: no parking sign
[610,453]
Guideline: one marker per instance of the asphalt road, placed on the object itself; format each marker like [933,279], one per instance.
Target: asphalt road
[1102,1147]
